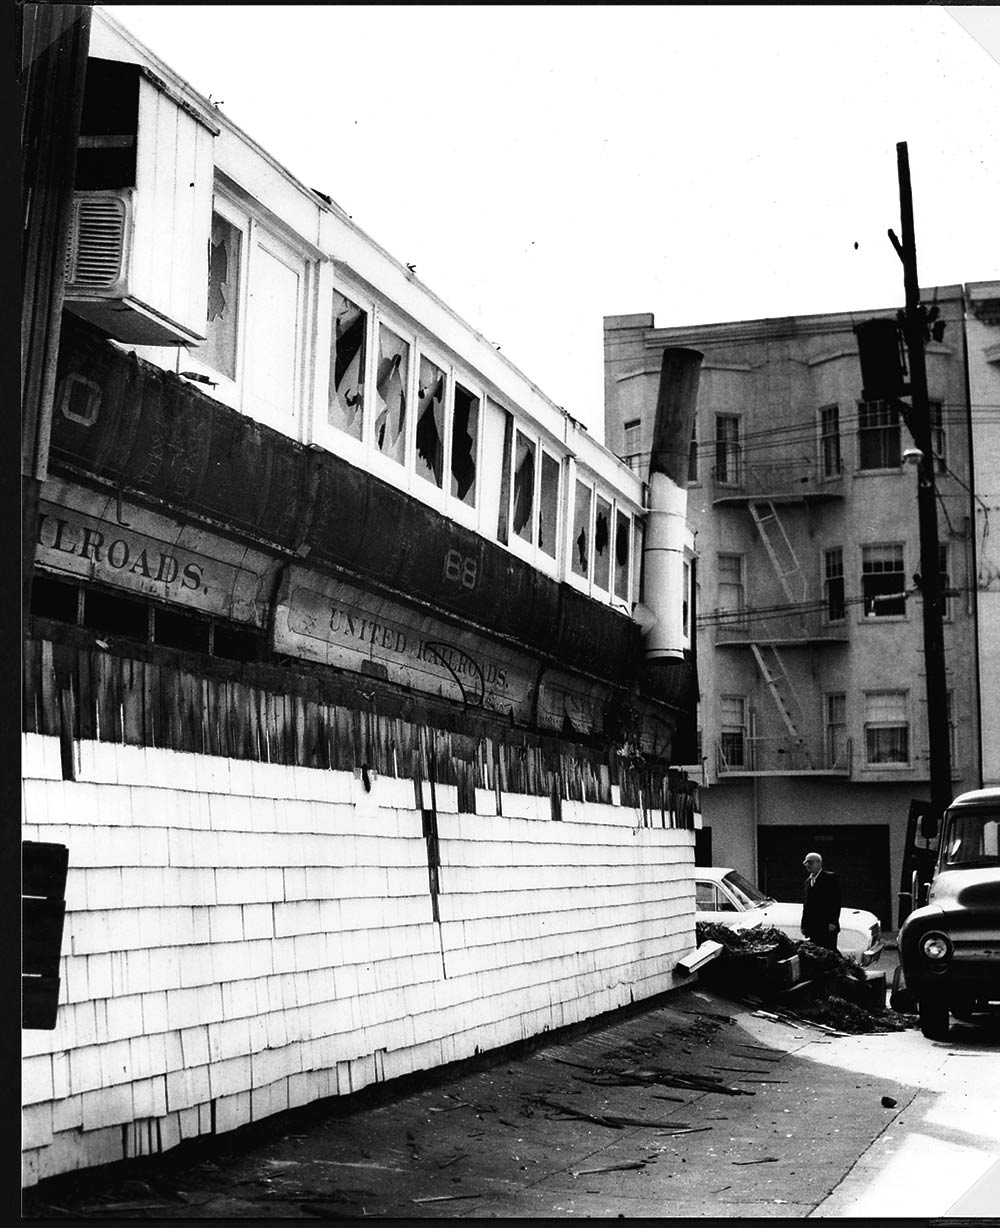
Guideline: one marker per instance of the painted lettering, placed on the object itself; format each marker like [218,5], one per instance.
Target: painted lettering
[141,564]
[118,558]
[168,569]
[57,544]
[191,576]
[91,546]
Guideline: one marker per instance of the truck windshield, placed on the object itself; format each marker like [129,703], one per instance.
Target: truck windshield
[971,839]
[746,892]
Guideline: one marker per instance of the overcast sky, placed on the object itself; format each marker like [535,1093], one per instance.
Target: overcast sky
[545,166]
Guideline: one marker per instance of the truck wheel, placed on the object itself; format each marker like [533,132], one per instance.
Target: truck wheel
[933,1019]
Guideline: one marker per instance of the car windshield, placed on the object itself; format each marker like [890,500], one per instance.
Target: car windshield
[971,839]
[745,891]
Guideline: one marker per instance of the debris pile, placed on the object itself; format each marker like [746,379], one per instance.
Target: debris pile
[798,979]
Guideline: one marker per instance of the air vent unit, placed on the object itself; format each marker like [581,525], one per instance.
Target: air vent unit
[142,209]
[99,241]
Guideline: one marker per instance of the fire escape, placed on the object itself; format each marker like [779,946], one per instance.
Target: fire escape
[774,494]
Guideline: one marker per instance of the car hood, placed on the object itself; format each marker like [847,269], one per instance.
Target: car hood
[781,914]
[979,888]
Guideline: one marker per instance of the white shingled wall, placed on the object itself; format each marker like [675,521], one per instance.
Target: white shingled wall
[242,938]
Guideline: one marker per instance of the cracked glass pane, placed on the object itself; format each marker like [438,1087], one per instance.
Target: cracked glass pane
[390,394]
[524,486]
[581,531]
[548,521]
[464,442]
[346,404]
[623,540]
[602,544]
[430,422]
[219,351]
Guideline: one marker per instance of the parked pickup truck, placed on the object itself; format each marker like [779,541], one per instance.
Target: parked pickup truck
[949,949]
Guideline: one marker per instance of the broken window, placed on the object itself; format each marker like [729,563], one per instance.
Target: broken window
[548,518]
[430,422]
[348,352]
[524,487]
[224,249]
[581,531]
[464,442]
[390,394]
[623,540]
[602,544]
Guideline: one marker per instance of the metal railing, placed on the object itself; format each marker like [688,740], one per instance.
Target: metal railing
[780,478]
[772,756]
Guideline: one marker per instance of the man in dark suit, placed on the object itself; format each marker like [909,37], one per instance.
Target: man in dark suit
[821,907]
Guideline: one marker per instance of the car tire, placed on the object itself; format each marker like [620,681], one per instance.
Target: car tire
[934,1019]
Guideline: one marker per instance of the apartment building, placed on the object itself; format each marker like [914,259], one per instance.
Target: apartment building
[813,729]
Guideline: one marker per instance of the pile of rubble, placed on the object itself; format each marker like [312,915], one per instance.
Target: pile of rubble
[762,966]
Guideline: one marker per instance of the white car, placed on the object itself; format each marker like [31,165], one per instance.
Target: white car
[724,896]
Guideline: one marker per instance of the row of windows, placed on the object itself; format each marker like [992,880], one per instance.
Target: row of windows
[134,619]
[886,726]
[398,408]
[878,433]
[883,583]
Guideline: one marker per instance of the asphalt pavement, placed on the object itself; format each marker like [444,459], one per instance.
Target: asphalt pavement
[692,1105]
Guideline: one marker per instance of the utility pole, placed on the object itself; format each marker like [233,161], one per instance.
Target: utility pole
[916,415]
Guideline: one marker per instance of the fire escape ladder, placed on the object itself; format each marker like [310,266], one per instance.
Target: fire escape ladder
[782,692]
[779,548]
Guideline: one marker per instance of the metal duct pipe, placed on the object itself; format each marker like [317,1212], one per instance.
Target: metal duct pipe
[663,556]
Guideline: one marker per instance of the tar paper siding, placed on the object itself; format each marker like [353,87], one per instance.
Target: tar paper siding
[245,937]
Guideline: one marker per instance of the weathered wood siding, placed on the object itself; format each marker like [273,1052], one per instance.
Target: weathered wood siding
[244,936]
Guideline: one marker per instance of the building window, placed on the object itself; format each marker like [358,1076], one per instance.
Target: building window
[833,585]
[224,255]
[727,449]
[878,435]
[732,740]
[602,544]
[431,388]
[464,445]
[623,543]
[581,531]
[829,440]
[632,444]
[887,730]
[524,486]
[732,597]
[883,582]
[836,731]
[391,386]
[693,455]
[938,442]
[348,354]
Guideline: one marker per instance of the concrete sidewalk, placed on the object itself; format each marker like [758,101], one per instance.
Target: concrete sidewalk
[771,1131]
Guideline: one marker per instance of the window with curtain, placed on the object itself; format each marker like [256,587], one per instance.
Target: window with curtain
[887,728]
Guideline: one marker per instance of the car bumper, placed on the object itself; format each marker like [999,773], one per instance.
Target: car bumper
[872,955]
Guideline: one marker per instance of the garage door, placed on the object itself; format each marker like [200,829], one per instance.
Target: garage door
[859,855]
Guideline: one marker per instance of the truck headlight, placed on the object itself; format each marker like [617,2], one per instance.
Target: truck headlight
[935,947]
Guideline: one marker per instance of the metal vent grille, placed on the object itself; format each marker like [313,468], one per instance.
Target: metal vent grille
[97,247]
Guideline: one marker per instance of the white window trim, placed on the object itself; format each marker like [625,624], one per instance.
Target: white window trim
[896,766]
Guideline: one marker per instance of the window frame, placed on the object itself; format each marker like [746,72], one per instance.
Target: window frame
[900,616]
[906,725]
[883,429]
[528,548]
[733,448]
[829,619]
[729,729]
[825,436]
